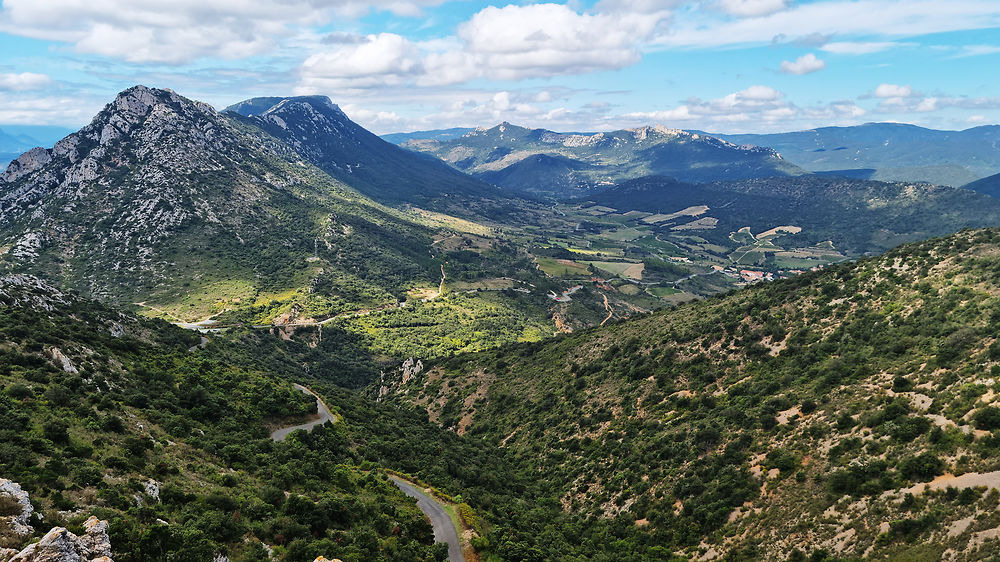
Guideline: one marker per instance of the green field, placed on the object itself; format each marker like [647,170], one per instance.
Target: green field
[561,268]
[663,291]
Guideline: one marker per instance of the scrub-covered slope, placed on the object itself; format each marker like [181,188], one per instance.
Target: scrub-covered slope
[853,410]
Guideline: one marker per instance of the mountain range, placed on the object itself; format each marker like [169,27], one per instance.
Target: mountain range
[857,216]
[565,165]
[878,151]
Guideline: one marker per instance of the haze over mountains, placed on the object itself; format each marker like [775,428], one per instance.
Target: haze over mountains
[16,139]
[889,151]
[565,335]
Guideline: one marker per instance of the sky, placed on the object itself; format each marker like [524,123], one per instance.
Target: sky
[725,66]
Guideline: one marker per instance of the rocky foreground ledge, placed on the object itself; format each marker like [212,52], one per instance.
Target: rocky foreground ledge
[60,545]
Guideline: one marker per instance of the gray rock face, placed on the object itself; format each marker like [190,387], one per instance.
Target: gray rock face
[150,167]
[18,524]
[30,292]
[26,163]
[60,545]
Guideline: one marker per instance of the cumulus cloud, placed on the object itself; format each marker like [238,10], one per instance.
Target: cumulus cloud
[23,81]
[475,108]
[509,43]
[179,31]
[803,65]
[383,59]
[893,91]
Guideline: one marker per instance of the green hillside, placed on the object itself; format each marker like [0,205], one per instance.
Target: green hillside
[111,415]
[805,414]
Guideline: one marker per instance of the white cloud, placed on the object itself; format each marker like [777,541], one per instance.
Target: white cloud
[861,47]
[384,59]
[509,43]
[803,65]
[754,109]
[907,101]
[978,50]
[179,31]
[893,91]
[752,8]
[23,81]
[550,39]
[32,109]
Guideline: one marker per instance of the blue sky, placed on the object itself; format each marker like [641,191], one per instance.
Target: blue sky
[400,65]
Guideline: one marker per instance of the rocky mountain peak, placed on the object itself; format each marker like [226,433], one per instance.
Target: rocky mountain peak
[139,114]
[315,102]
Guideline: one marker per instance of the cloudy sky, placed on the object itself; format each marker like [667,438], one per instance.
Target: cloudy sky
[400,65]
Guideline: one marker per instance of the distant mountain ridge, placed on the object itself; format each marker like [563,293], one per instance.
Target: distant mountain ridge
[989,185]
[575,164]
[889,151]
[318,130]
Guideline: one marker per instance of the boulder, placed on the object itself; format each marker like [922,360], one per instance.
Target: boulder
[60,545]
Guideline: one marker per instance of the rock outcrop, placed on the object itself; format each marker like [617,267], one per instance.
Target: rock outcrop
[61,545]
[18,524]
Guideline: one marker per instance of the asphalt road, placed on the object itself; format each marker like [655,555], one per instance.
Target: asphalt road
[444,529]
[324,416]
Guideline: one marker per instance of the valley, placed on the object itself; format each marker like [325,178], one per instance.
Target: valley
[258,333]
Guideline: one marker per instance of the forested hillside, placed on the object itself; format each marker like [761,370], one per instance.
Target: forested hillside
[110,415]
[790,417]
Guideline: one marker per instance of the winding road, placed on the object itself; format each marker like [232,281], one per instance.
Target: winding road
[324,416]
[444,528]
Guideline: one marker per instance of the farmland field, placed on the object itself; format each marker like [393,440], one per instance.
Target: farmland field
[622,269]
[561,268]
